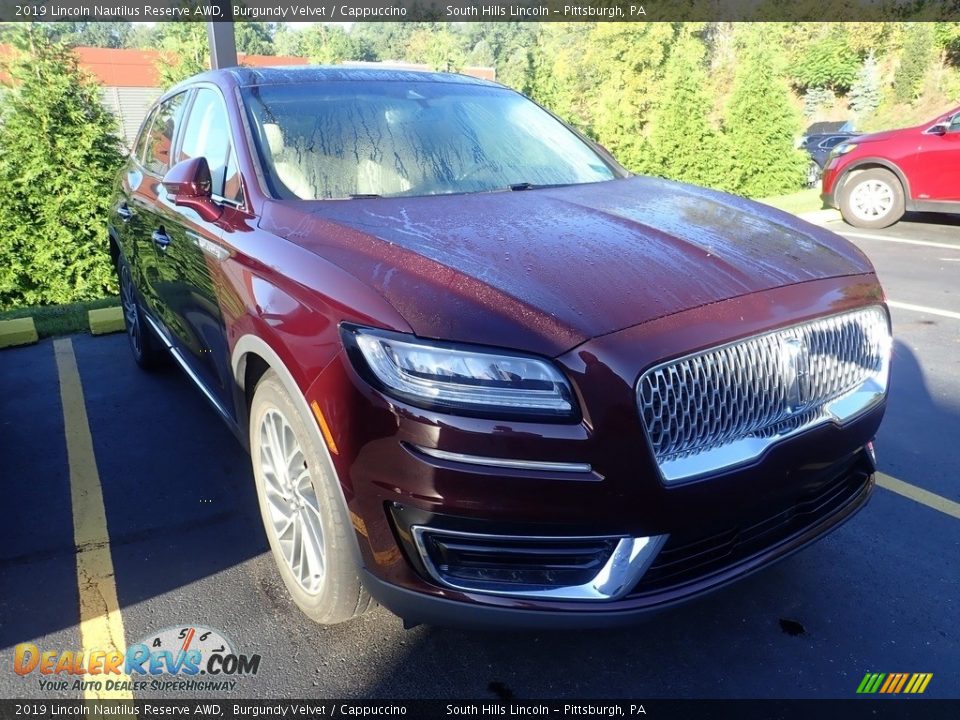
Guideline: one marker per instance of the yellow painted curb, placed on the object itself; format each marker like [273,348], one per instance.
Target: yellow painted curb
[105,320]
[17,332]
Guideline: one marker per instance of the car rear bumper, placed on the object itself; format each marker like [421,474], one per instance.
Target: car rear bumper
[845,496]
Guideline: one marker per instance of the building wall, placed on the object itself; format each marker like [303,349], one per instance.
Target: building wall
[129,105]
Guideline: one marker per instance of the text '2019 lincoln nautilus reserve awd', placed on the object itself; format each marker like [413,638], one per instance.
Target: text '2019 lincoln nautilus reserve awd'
[486,375]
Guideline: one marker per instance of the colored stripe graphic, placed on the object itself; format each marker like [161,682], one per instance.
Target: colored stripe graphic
[894,683]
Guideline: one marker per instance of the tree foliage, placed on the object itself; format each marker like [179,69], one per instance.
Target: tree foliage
[914,61]
[186,51]
[865,95]
[684,145]
[761,125]
[827,62]
[58,160]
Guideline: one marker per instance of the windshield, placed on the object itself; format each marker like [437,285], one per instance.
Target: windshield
[391,139]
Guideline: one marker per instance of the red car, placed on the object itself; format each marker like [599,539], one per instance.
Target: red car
[485,375]
[875,179]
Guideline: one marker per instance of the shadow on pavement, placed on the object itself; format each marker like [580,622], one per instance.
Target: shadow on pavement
[177,486]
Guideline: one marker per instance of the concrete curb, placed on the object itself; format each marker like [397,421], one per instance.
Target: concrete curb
[105,321]
[821,216]
[21,331]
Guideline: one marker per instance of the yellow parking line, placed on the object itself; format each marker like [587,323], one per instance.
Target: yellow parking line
[101,625]
[924,497]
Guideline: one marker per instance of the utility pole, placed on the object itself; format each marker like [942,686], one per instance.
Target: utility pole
[223,43]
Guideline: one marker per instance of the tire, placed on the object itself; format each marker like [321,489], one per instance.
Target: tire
[814,173]
[872,199]
[147,350]
[304,517]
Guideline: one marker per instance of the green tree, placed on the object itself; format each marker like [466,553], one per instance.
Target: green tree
[865,94]
[761,124]
[816,98]
[58,160]
[186,51]
[827,62]
[914,61]
[683,142]
[254,38]
[481,55]
[437,47]
[331,45]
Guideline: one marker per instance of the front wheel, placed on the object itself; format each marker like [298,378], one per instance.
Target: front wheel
[302,509]
[872,199]
[147,350]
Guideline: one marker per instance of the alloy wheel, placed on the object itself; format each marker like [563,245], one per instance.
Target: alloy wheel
[292,501]
[130,313]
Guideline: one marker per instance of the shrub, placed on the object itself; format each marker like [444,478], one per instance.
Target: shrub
[761,125]
[683,142]
[58,158]
[914,61]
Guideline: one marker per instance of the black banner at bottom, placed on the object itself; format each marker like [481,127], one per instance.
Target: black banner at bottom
[220,709]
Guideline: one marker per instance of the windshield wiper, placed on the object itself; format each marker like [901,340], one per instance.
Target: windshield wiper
[363,196]
[517,187]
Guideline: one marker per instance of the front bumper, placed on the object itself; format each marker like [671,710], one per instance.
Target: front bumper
[594,478]
[673,579]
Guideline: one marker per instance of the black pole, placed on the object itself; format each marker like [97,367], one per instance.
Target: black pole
[223,43]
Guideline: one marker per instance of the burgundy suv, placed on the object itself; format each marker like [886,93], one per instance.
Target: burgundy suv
[874,179]
[485,375]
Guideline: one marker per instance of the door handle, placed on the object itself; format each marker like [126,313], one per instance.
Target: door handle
[160,238]
[125,212]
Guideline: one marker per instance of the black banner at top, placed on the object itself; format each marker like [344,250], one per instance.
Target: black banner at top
[215,708]
[475,10]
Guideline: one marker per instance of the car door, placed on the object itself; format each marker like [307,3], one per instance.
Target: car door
[150,215]
[127,224]
[936,174]
[194,252]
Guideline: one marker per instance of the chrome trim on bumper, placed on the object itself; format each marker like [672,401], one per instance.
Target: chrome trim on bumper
[627,563]
[505,462]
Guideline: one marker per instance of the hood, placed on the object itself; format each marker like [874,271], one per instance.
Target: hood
[545,270]
[877,136]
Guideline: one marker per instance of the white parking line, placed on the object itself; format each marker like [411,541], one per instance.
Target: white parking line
[887,238]
[924,309]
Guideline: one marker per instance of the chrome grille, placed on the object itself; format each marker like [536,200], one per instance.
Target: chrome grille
[726,405]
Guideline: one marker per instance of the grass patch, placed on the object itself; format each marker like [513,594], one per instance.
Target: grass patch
[55,320]
[798,202]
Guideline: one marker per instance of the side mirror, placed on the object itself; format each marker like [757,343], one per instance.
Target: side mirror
[939,129]
[189,184]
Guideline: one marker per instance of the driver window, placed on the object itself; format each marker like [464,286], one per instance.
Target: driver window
[954,123]
[207,134]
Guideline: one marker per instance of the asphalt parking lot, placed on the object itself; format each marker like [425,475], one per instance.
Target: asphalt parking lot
[882,594]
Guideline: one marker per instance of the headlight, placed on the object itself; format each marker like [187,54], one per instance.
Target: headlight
[844,148]
[459,379]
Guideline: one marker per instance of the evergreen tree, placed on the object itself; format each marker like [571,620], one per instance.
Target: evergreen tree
[58,160]
[865,93]
[683,143]
[815,98]
[761,125]
[481,55]
[914,61]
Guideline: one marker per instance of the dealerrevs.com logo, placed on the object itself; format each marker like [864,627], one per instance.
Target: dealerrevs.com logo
[169,660]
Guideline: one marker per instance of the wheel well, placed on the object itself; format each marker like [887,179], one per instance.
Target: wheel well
[874,166]
[254,368]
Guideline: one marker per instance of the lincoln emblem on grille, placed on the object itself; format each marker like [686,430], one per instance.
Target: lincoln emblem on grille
[796,357]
